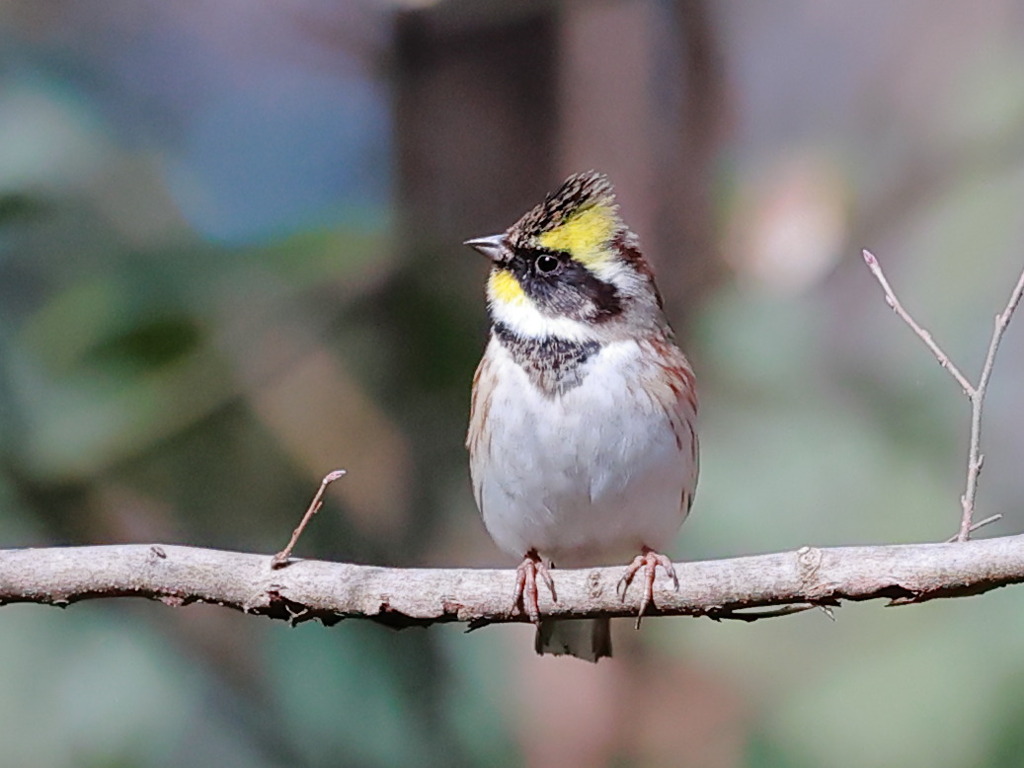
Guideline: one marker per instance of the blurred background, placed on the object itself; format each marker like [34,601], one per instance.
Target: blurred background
[230,262]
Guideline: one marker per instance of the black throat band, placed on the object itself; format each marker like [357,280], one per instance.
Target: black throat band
[554,365]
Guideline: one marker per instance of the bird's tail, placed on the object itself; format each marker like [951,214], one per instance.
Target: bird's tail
[587,639]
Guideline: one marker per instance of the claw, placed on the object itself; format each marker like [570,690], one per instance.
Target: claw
[526,594]
[648,560]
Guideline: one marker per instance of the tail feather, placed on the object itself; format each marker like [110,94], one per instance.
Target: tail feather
[587,639]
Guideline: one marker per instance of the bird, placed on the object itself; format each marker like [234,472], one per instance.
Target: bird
[582,438]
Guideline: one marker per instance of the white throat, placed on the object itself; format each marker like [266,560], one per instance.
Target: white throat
[525,320]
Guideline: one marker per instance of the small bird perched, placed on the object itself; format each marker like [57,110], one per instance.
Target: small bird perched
[582,432]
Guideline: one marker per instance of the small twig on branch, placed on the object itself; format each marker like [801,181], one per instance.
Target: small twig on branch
[975,393]
[281,558]
[782,582]
[770,613]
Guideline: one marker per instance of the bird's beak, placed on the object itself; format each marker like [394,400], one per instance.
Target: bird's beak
[493,247]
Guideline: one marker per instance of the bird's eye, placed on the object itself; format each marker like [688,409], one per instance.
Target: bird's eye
[546,264]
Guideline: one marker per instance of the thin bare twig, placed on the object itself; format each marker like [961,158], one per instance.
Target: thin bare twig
[975,393]
[925,336]
[975,457]
[314,506]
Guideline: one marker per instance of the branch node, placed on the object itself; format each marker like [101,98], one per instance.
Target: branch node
[976,526]
[809,562]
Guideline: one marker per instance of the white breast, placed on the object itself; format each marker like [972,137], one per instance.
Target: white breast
[586,478]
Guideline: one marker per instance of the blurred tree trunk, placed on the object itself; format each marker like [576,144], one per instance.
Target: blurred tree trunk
[499,101]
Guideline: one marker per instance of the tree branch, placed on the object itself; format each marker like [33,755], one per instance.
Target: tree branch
[783,582]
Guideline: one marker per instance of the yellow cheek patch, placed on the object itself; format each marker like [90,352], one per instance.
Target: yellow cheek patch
[503,287]
[584,235]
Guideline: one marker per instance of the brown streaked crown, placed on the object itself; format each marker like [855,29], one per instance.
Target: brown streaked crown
[578,192]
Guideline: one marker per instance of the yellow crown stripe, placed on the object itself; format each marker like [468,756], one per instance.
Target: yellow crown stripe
[503,287]
[584,235]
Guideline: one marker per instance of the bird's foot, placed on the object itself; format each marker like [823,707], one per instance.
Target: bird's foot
[526,594]
[648,561]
